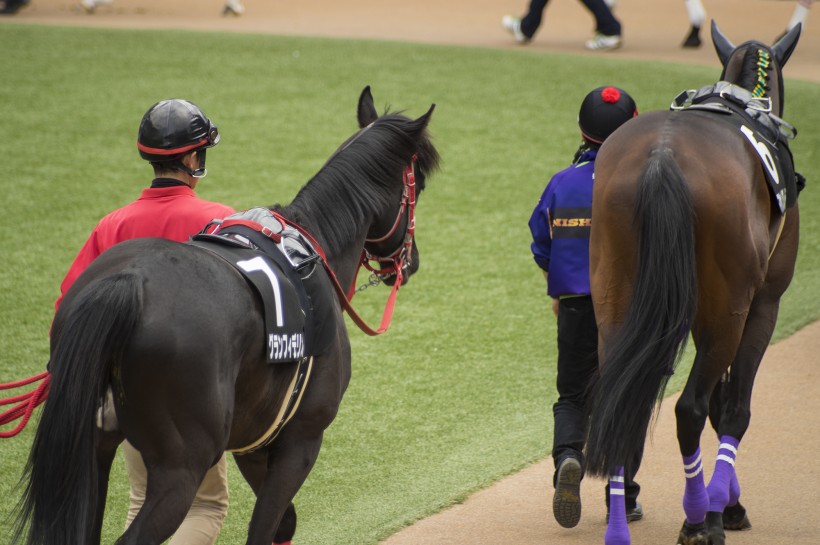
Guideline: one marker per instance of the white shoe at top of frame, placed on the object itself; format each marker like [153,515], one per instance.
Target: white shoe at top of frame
[602,42]
[90,5]
[233,7]
[513,26]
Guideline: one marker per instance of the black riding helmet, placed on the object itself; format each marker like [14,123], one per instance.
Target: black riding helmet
[172,128]
[603,110]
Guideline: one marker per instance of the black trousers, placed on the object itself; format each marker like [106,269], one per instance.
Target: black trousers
[577,366]
[605,22]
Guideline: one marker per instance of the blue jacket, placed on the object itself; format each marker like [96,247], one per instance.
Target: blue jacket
[560,226]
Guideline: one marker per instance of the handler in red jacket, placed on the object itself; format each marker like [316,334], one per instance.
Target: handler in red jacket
[173,137]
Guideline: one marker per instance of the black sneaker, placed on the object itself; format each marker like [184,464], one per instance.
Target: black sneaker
[636,513]
[692,41]
[566,503]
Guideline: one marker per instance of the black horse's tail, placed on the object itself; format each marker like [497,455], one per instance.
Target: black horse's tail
[642,356]
[61,478]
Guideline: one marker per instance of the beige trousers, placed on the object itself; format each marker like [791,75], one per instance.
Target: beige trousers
[204,520]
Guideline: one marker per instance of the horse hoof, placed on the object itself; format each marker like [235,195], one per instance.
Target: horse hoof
[734,518]
[714,527]
[693,534]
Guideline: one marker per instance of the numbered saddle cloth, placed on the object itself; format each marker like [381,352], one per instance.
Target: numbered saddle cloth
[287,274]
[752,117]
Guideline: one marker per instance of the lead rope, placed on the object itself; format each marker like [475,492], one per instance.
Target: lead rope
[346,296]
[26,403]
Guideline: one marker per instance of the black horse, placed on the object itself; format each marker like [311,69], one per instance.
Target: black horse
[695,229]
[176,335]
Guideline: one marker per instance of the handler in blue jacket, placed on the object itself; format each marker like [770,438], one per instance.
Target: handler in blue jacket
[560,226]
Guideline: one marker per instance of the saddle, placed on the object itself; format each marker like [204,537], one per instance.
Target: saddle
[753,117]
[285,270]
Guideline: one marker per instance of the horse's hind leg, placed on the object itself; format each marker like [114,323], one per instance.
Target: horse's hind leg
[107,443]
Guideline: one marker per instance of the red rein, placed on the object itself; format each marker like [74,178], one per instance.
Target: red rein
[396,259]
[25,403]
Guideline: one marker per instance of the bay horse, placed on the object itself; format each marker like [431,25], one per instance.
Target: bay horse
[178,336]
[688,237]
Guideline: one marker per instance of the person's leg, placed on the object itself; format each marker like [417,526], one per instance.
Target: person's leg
[696,13]
[605,22]
[12,6]
[577,363]
[204,520]
[801,12]
[532,20]
[138,477]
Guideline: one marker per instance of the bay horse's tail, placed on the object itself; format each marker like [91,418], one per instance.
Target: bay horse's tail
[61,495]
[641,357]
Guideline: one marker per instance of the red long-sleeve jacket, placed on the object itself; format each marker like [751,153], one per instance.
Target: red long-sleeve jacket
[174,213]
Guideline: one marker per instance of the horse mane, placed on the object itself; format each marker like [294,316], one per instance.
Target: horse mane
[361,179]
[755,68]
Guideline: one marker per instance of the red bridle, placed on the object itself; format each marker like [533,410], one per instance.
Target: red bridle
[397,258]
[401,257]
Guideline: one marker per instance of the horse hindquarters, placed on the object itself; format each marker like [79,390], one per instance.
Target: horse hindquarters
[642,332]
[643,328]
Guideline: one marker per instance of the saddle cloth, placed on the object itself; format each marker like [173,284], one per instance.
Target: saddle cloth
[286,273]
[766,132]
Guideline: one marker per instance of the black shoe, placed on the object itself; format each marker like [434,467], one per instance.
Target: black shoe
[636,513]
[566,503]
[693,40]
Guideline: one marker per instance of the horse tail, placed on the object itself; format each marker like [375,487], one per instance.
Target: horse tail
[642,356]
[61,495]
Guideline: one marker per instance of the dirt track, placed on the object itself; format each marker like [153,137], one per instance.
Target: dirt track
[777,466]
[653,29]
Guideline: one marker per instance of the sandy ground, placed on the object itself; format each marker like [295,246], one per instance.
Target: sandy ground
[653,29]
[777,467]
[778,470]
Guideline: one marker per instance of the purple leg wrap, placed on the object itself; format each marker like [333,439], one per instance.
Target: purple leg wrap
[695,498]
[734,490]
[718,488]
[616,531]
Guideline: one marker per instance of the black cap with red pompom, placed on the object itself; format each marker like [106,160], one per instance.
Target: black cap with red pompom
[603,110]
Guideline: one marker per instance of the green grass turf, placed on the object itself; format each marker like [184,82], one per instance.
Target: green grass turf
[459,392]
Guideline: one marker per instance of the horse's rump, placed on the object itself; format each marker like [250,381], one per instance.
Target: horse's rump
[659,207]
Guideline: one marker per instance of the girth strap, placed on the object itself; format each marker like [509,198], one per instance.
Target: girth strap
[293,398]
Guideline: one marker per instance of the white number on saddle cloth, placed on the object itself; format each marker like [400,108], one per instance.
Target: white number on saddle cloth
[259,264]
[763,151]
[768,161]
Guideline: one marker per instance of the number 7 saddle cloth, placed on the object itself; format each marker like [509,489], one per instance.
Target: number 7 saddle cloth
[286,272]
